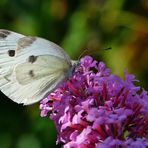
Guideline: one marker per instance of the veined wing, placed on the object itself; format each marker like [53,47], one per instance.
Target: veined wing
[30,66]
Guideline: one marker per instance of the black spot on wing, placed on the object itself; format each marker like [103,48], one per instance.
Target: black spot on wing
[31,73]
[4,33]
[11,53]
[32,58]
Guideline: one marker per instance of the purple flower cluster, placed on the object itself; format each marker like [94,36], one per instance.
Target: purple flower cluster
[96,109]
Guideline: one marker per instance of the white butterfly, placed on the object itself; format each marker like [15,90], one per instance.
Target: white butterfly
[30,67]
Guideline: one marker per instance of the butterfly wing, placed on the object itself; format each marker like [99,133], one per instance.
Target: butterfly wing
[30,67]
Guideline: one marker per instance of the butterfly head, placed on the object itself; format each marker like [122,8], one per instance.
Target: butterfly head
[74,65]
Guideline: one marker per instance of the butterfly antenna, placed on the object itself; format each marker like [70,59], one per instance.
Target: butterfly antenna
[84,51]
[107,48]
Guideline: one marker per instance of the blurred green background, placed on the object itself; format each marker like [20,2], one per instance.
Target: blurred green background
[75,25]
